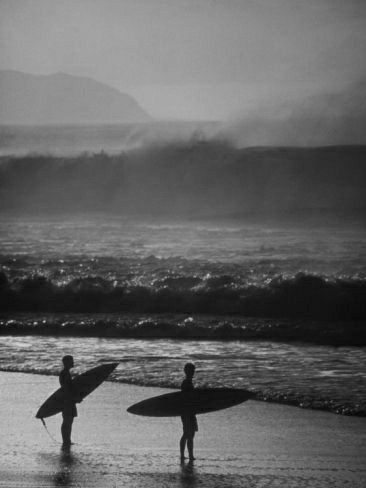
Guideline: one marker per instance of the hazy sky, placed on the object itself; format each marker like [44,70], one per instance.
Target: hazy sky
[190,58]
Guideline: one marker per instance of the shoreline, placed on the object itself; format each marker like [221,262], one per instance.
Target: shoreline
[312,377]
[259,397]
[253,444]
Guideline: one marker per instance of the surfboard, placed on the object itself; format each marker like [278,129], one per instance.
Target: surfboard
[83,385]
[197,401]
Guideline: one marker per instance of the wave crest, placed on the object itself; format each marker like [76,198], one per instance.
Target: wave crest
[303,296]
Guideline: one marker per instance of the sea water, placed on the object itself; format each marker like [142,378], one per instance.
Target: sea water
[269,307]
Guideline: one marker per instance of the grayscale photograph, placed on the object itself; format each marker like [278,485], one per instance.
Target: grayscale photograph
[183,243]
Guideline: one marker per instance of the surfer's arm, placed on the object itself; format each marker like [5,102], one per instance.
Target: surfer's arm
[187,385]
[67,386]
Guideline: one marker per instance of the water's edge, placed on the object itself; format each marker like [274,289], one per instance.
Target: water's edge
[330,407]
[310,376]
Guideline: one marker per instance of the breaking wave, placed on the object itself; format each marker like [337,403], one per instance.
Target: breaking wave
[303,296]
[189,179]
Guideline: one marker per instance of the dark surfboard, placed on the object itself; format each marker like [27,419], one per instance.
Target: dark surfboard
[83,385]
[196,401]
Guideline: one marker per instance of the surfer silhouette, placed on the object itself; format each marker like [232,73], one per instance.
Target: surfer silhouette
[189,420]
[69,411]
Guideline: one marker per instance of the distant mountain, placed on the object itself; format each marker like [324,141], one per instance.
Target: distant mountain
[327,118]
[63,99]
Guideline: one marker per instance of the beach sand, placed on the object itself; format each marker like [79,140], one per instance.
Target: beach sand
[255,444]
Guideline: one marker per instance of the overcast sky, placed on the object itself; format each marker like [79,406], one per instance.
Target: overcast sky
[190,58]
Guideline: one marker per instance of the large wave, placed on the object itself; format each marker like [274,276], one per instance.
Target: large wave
[190,179]
[302,296]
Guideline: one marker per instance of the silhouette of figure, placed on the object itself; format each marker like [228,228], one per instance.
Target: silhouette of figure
[69,411]
[189,420]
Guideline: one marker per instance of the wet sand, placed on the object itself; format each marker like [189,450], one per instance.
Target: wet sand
[252,445]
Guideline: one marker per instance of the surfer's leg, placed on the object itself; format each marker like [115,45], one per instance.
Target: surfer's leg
[66,428]
[190,447]
[182,445]
[64,431]
[189,427]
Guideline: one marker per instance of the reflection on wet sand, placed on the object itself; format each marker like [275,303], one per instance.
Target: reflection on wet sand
[64,474]
[188,475]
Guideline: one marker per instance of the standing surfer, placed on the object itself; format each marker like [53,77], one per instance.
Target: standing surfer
[69,411]
[189,420]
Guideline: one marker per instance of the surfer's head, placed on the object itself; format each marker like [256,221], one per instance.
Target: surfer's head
[68,361]
[189,369]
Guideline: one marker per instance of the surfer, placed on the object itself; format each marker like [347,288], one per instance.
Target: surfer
[69,411]
[189,420]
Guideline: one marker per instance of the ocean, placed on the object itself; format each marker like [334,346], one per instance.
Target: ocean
[272,307]
[163,244]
